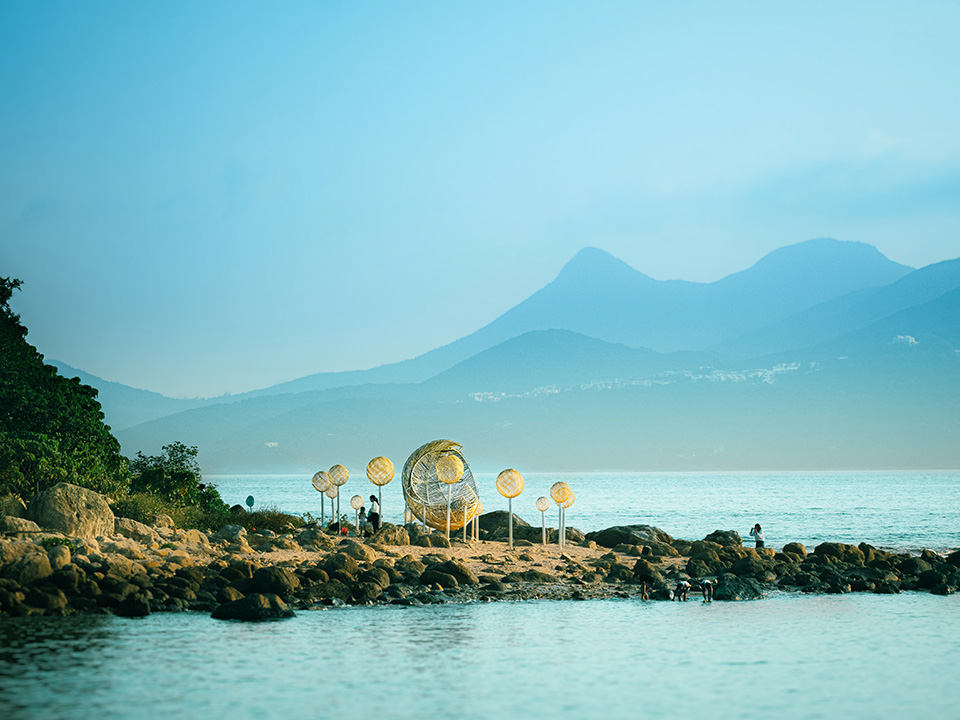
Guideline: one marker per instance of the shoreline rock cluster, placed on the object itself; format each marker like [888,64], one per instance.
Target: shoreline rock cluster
[74,557]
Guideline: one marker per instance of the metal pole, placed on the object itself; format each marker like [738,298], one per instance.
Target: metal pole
[543,528]
[559,525]
[356,523]
[464,522]
[449,488]
[323,506]
[380,503]
[338,509]
[563,527]
[510,506]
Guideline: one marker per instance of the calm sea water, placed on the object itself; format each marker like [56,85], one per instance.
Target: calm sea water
[789,656]
[901,510]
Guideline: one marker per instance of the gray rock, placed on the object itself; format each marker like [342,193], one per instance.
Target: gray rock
[194,537]
[59,556]
[737,589]
[629,535]
[29,568]
[390,535]
[16,525]
[795,548]
[163,521]
[13,506]
[313,539]
[463,574]
[229,534]
[275,580]
[254,608]
[136,531]
[72,510]
[724,537]
[357,550]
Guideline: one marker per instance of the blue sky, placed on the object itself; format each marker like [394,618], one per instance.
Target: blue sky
[213,197]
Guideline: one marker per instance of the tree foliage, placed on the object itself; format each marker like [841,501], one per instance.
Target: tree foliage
[51,427]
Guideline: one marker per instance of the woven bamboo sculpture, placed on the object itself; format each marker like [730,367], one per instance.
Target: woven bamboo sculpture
[426,495]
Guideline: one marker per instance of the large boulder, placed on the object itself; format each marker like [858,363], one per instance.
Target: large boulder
[741,588]
[463,574]
[390,535]
[315,539]
[629,535]
[28,568]
[72,510]
[17,526]
[357,550]
[230,534]
[500,519]
[254,607]
[724,537]
[275,580]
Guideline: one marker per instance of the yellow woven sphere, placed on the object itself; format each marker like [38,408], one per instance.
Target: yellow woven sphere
[332,491]
[339,474]
[543,503]
[321,481]
[380,471]
[560,492]
[449,469]
[510,483]
[479,510]
[356,502]
[569,501]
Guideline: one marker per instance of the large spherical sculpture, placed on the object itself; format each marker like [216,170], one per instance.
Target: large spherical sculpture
[356,502]
[543,503]
[321,481]
[426,493]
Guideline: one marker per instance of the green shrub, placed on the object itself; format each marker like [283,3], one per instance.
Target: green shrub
[50,542]
[267,518]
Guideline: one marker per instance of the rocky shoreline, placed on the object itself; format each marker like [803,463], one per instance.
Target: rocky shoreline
[69,555]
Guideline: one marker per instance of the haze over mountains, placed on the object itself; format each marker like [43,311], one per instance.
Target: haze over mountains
[824,354]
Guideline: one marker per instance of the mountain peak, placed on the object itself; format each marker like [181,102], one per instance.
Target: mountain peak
[830,251]
[592,265]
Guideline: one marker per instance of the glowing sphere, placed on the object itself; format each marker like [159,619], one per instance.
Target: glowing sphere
[339,474]
[449,469]
[321,481]
[510,483]
[380,471]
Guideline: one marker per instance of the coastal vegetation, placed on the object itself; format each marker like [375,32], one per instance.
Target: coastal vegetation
[52,430]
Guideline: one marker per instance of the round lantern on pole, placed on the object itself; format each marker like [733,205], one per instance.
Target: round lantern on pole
[380,472]
[331,492]
[560,492]
[563,512]
[510,484]
[339,474]
[356,502]
[321,481]
[449,472]
[543,504]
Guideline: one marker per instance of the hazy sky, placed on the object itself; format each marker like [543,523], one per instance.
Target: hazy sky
[210,197]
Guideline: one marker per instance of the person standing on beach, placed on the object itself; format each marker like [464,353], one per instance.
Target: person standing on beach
[757,534]
[374,516]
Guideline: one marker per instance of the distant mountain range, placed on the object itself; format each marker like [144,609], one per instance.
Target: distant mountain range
[824,354]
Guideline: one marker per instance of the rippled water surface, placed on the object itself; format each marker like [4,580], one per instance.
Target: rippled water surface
[790,656]
[904,510]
